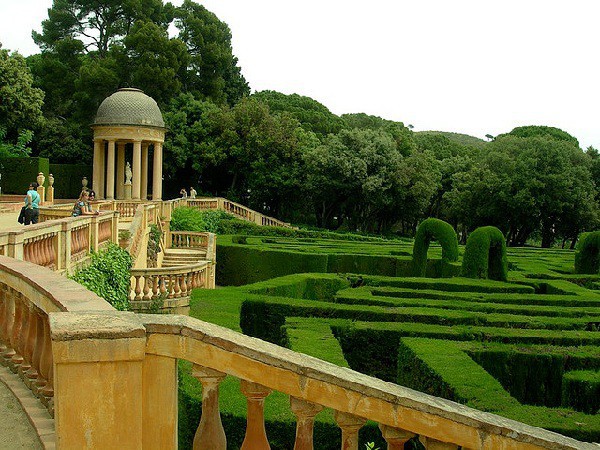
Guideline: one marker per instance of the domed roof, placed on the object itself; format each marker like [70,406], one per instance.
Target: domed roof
[129,106]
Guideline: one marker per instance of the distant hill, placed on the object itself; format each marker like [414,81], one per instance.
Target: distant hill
[462,139]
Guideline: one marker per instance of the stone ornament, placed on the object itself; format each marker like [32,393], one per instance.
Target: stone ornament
[84,182]
[41,179]
[51,180]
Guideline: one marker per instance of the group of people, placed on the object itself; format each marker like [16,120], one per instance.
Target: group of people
[30,213]
[83,206]
[184,193]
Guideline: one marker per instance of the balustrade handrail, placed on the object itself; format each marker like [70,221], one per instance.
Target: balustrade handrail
[216,351]
[175,270]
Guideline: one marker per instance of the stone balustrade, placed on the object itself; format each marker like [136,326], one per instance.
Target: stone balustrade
[27,294]
[62,243]
[240,211]
[172,286]
[111,378]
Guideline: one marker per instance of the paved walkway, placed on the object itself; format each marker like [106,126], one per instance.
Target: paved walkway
[16,431]
[9,221]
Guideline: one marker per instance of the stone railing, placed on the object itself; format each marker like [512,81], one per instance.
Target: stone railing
[170,287]
[140,411]
[111,380]
[201,241]
[60,244]
[27,294]
[239,211]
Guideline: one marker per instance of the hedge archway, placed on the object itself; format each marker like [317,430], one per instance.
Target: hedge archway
[433,230]
[587,256]
[485,255]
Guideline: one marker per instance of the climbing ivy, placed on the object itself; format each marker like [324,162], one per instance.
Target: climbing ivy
[108,276]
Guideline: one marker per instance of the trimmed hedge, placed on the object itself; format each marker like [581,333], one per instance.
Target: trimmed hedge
[581,391]
[68,178]
[17,173]
[433,229]
[485,255]
[587,257]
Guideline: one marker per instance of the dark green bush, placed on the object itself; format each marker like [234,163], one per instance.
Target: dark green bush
[187,219]
[108,276]
[241,264]
[68,177]
[485,255]
[581,391]
[587,257]
[18,172]
[438,230]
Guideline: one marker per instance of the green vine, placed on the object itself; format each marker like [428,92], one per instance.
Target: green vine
[108,276]
[153,246]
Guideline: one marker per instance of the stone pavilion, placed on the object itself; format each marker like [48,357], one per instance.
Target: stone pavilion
[128,123]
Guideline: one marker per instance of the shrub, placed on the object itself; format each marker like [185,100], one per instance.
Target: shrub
[587,257]
[187,219]
[108,276]
[581,391]
[433,229]
[485,255]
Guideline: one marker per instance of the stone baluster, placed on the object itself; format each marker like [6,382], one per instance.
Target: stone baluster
[256,435]
[432,444]
[155,286]
[17,335]
[305,413]
[3,318]
[350,425]
[9,351]
[29,340]
[163,286]
[176,286]
[137,290]
[395,437]
[210,434]
[46,369]
[147,283]
[38,341]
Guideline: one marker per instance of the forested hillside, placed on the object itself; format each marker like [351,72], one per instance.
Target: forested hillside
[288,156]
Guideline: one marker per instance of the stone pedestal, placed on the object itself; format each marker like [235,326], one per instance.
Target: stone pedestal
[50,195]
[128,191]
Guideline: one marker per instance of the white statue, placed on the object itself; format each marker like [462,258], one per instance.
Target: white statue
[193,192]
[128,173]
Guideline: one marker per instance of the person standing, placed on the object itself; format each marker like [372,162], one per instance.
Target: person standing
[32,203]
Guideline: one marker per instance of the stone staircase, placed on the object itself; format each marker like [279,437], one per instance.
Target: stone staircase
[174,257]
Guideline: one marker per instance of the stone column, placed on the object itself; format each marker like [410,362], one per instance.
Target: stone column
[120,170]
[110,171]
[157,172]
[136,169]
[98,382]
[96,177]
[144,190]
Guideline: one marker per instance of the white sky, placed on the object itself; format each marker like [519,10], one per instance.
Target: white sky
[467,66]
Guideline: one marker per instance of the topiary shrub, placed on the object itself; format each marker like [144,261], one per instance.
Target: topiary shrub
[587,256]
[485,255]
[108,276]
[438,230]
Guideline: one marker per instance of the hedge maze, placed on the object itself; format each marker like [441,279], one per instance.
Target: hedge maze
[527,348]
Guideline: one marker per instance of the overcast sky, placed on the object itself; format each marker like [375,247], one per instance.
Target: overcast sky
[474,67]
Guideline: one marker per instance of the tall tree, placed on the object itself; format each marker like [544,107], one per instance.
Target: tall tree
[212,71]
[20,102]
[312,115]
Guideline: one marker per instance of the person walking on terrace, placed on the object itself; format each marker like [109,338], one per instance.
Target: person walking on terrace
[32,203]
